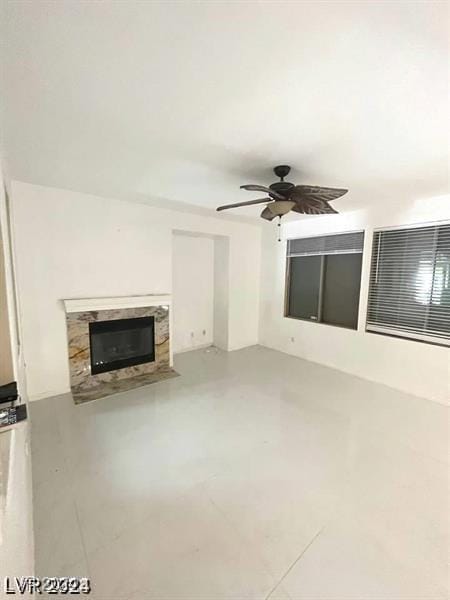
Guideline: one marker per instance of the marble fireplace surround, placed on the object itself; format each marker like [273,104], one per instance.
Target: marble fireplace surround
[80,312]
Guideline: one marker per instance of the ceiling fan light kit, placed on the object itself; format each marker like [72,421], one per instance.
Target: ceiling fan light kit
[284,196]
[280,207]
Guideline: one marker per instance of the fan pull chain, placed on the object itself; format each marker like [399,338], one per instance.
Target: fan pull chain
[279,228]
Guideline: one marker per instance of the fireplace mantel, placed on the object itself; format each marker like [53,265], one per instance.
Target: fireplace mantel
[73,305]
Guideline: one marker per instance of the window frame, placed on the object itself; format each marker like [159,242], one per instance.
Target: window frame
[386,331]
[287,280]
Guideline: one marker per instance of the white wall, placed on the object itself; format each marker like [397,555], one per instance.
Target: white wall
[74,245]
[414,367]
[6,361]
[221,291]
[70,245]
[192,291]
[16,512]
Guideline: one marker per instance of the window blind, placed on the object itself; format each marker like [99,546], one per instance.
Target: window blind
[341,243]
[409,289]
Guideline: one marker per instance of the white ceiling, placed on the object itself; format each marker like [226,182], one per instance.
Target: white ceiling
[184,101]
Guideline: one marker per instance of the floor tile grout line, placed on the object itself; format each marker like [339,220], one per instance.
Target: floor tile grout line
[82,538]
[236,530]
[299,557]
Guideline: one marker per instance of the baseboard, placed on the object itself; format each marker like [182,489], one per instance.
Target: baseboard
[47,394]
[429,398]
[191,348]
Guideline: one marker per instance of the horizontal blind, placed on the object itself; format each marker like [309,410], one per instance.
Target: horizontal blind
[409,290]
[341,243]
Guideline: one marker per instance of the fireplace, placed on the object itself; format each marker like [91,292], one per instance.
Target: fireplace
[121,343]
[117,344]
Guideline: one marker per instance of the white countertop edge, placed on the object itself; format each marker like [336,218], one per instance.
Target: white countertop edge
[87,304]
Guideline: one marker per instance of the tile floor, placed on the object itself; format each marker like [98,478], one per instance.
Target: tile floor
[254,475]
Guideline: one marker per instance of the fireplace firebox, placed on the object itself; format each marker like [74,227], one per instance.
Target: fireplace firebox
[120,343]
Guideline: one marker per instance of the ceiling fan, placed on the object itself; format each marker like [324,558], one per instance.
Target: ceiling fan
[285,196]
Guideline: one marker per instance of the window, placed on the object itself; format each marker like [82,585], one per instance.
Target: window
[323,278]
[409,293]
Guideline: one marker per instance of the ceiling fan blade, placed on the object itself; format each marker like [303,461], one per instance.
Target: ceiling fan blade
[238,204]
[310,206]
[261,188]
[316,192]
[268,214]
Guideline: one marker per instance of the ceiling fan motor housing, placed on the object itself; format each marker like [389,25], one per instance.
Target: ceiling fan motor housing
[282,187]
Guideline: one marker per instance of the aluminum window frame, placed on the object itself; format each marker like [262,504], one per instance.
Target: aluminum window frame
[323,255]
[413,334]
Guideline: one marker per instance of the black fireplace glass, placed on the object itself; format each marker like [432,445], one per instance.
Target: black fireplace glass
[121,343]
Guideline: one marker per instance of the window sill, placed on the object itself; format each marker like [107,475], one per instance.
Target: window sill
[442,343]
[312,321]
